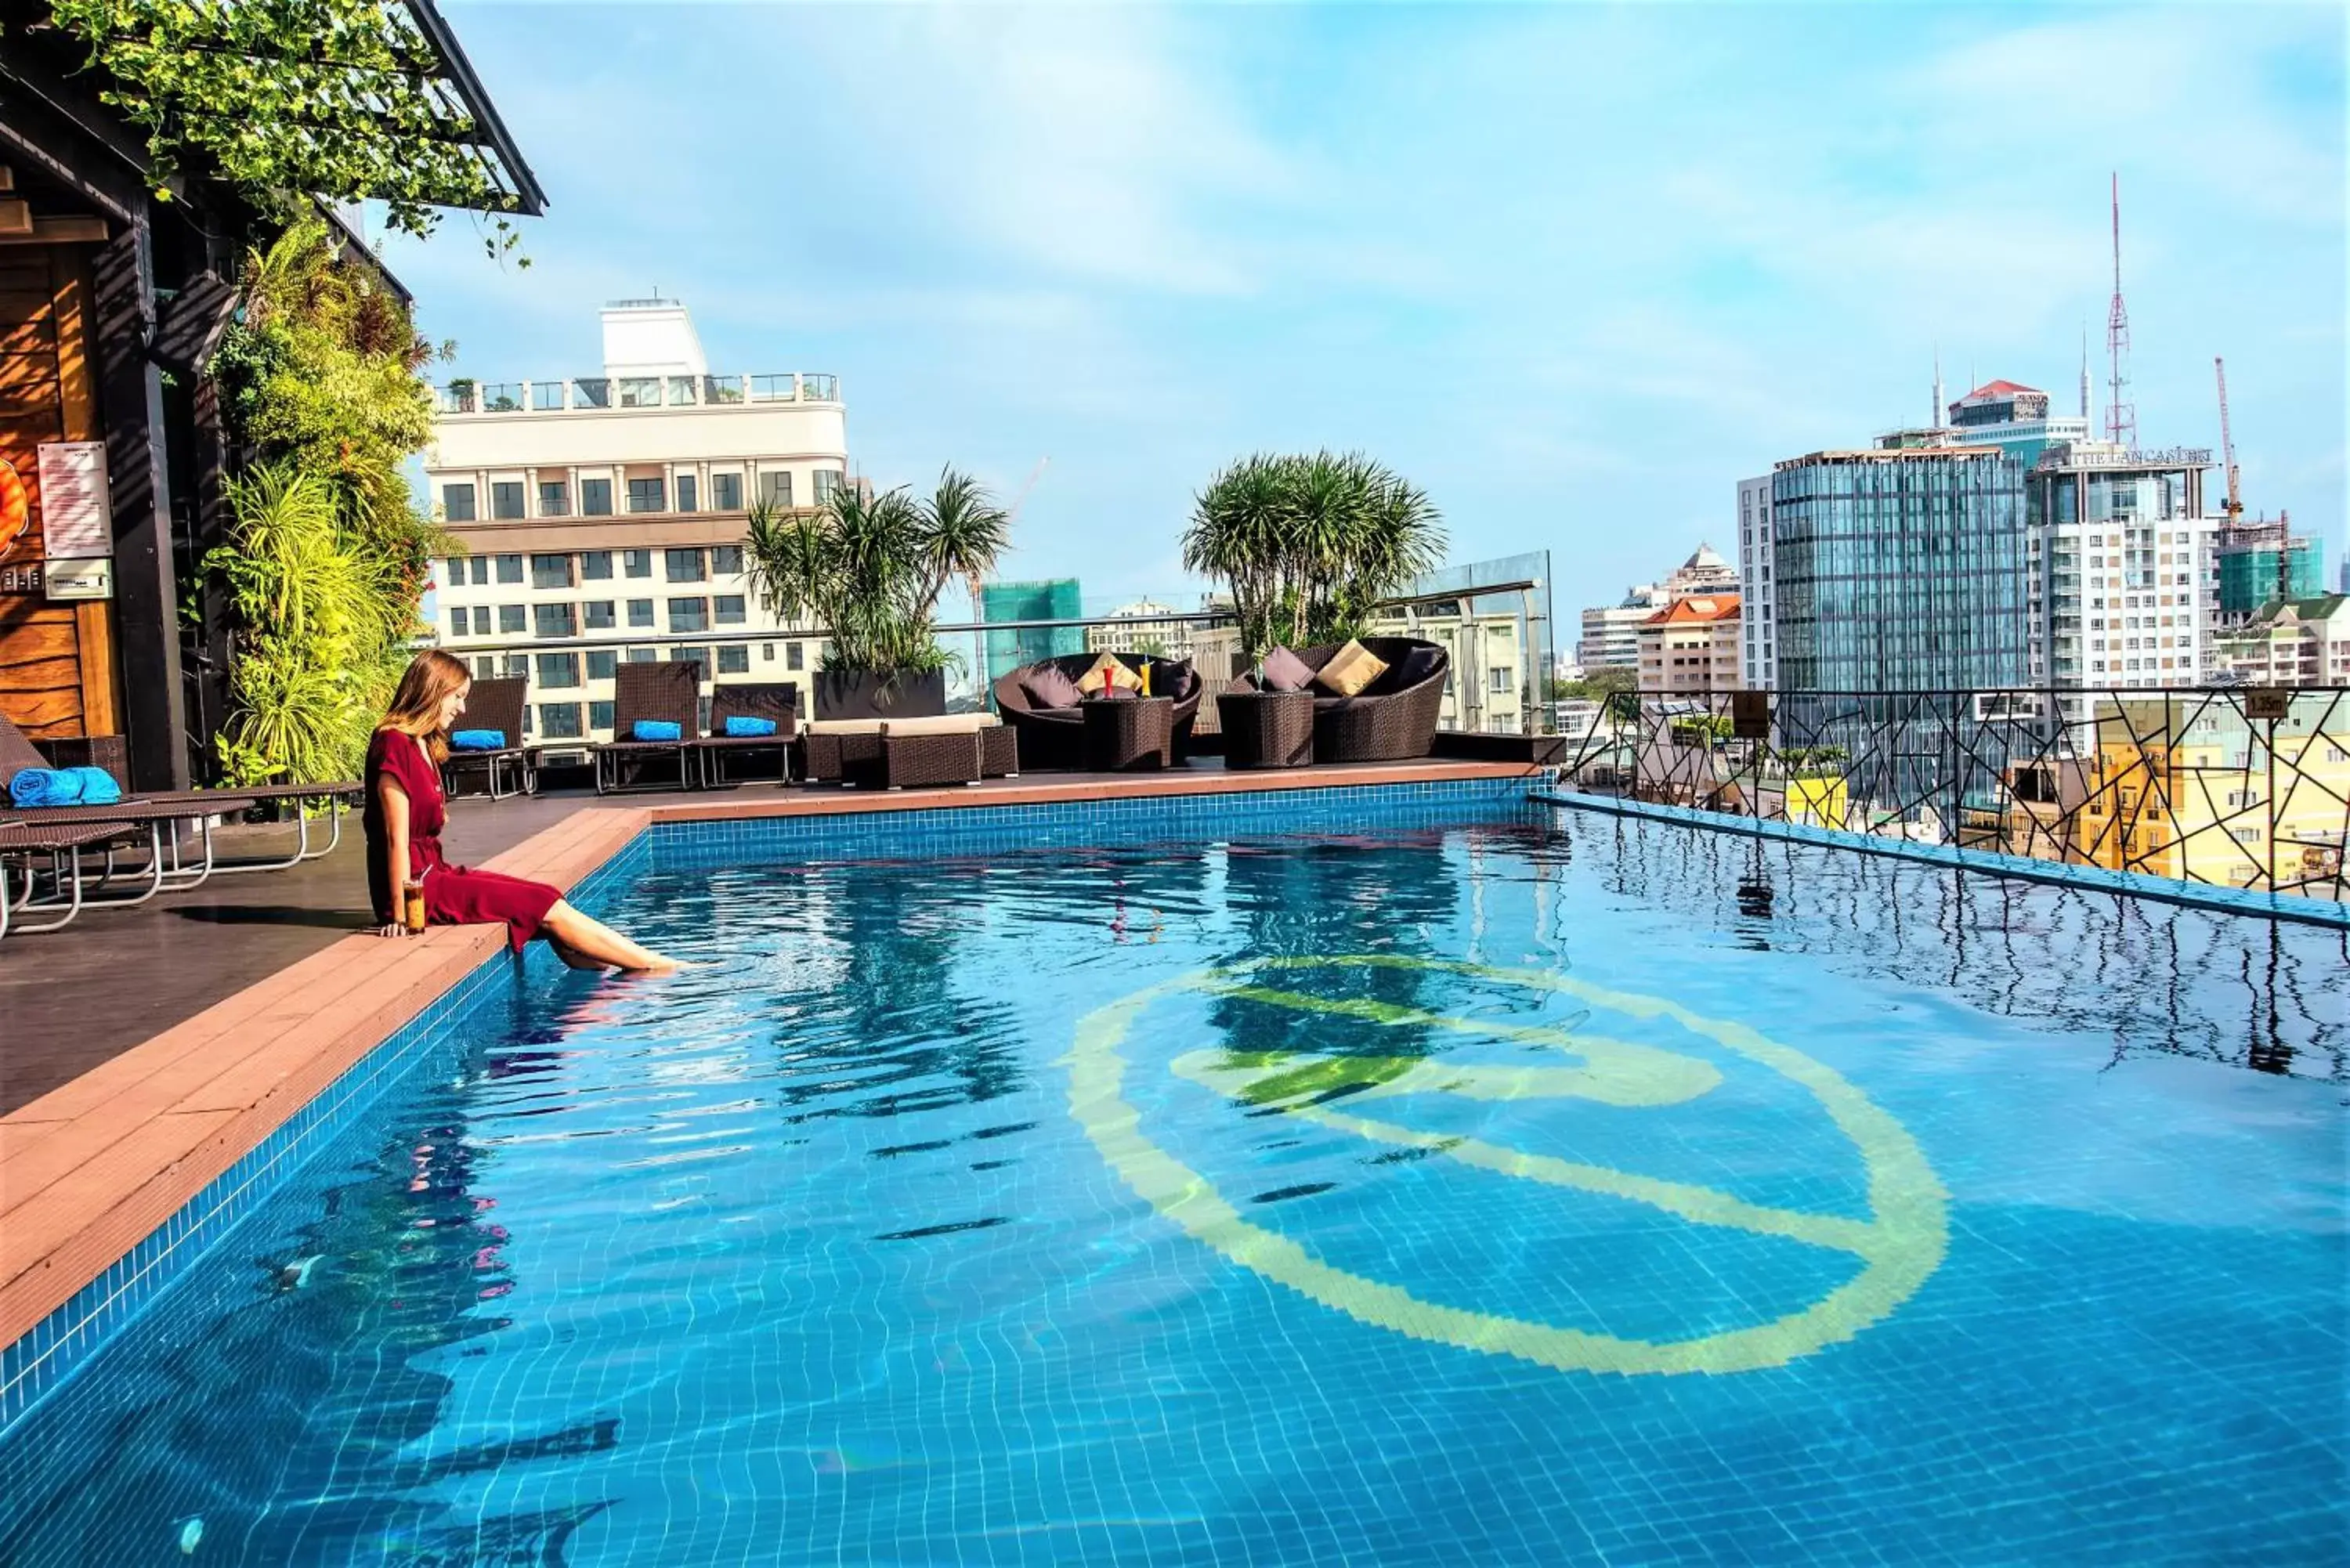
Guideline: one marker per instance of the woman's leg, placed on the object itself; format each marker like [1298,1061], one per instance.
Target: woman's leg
[591,939]
[572,957]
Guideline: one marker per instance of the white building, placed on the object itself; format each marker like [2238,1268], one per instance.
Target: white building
[1758,653]
[1142,627]
[603,517]
[2122,588]
[2296,642]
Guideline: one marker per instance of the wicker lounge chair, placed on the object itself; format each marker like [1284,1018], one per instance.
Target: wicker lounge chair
[109,752]
[669,693]
[1386,721]
[779,701]
[144,816]
[24,845]
[498,705]
[1056,737]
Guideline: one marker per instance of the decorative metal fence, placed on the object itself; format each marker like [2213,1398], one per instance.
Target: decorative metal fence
[2242,787]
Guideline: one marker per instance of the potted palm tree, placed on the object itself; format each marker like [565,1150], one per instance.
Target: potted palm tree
[867,569]
[1310,544]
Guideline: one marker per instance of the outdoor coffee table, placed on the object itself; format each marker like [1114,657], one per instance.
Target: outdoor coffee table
[1266,729]
[1132,732]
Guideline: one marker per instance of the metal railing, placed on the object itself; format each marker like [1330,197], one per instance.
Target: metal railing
[2241,787]
[580,393]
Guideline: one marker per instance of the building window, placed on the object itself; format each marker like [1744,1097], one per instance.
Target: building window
[509,568]
[730,609]
[457,503]
[689,615]
[1503,679]
[685,496]
[596,497]
[559,670]
[775,487]
[644,656]
[459,624]
[726,560]
[513,620]
[683,566]
[555,620]
[486,667]
[827,480]
[596,565]
[700,655]
[553,498]
[550,571]
[601,663]
[793,658]
[481,570]
[640,612]
[637,563]
[505,498]
[645,496]
[726,492]
[598,615]
[735,659]
[558,721]
[600,716]
[452,571]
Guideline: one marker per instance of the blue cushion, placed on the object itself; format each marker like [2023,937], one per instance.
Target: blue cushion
[657,730]
[478,740]
[742,727]
[63,786]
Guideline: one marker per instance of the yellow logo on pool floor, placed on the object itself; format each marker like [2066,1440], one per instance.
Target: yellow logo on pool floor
[1899,1245]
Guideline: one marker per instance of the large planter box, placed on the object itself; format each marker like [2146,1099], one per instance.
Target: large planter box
[880,694]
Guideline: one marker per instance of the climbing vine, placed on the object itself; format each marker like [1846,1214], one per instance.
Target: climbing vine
[321,381]
[337,98]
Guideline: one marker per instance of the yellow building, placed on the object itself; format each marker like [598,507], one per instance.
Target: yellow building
[2195,789]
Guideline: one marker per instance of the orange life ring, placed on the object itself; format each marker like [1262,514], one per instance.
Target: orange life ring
[15,506]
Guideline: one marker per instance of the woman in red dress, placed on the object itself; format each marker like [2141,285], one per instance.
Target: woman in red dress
[405,813]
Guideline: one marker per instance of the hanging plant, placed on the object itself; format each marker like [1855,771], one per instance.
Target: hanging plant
[321,379]
[339,98]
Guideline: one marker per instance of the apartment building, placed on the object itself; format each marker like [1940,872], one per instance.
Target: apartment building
[2121,571]
[1758,650]
[2300,642]
[1490,687]
[1692,647]
[602,517]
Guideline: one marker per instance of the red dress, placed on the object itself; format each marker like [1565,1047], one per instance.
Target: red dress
[453,895]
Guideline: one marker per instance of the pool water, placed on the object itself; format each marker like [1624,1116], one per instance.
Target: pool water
[1596,1192]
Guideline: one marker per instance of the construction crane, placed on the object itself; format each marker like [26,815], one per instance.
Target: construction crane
[2227,443]
[2261,530]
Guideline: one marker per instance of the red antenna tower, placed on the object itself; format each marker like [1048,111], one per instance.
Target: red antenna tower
[2121,416]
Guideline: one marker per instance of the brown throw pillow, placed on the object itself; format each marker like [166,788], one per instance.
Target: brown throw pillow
[1350,669]
[1169,676]
[1415,667]
[1107,672]
[1049,686]
[1284,672]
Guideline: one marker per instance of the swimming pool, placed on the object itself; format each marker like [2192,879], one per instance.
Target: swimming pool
[1530,1189]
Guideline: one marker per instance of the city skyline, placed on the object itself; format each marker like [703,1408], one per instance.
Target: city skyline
[1142,243]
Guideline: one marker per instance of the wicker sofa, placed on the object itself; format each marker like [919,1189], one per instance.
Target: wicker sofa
[1054,738]
[1386,721]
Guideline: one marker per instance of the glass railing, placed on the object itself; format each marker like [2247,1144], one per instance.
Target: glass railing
[2241,787]
[463,396]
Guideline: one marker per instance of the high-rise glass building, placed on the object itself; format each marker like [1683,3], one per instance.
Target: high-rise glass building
[1053,600]
[1899,570]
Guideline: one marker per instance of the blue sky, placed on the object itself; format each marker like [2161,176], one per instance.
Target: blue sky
[1576,269]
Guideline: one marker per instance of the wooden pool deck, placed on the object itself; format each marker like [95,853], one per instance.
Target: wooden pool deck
[144,1052]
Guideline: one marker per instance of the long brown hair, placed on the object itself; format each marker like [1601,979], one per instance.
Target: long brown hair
[415,709]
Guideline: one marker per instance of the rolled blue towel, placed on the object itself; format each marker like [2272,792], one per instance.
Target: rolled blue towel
[97,786]
[657,729]
[63,786]
[740,728]
[478,740]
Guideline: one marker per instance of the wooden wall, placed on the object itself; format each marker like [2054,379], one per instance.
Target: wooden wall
[56,660]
